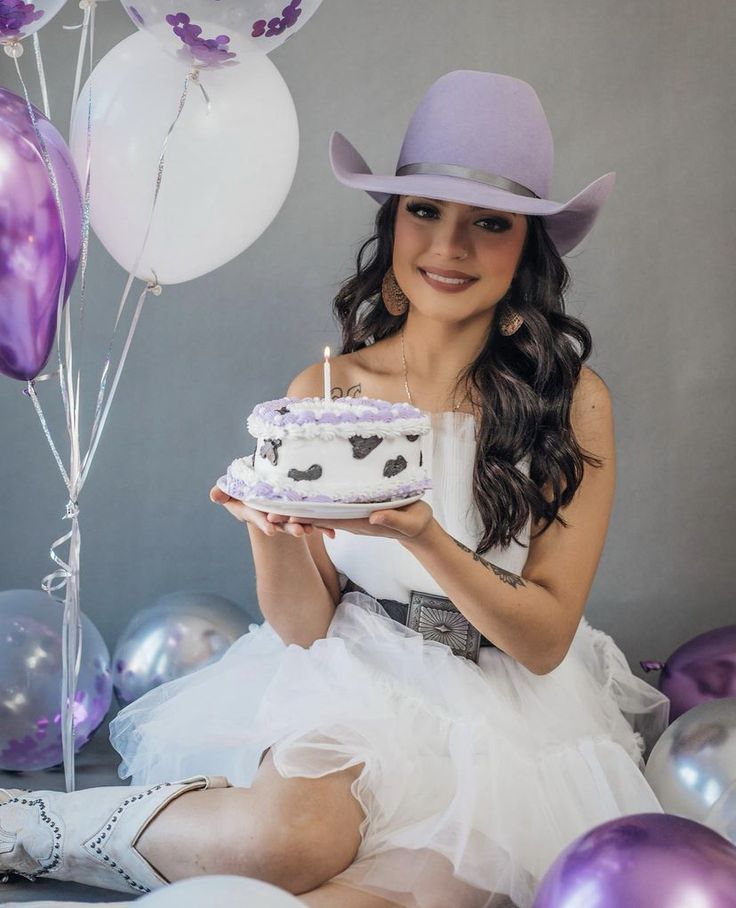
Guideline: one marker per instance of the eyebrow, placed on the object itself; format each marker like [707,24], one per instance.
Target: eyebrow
[472,207]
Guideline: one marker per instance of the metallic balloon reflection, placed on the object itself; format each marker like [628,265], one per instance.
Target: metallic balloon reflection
[31,676]
[180,633]
[702,669]
[652,859]
[692,767]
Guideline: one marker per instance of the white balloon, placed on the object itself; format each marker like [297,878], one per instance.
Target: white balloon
[219,892]
[228,165]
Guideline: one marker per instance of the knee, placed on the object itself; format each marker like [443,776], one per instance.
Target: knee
[305,851]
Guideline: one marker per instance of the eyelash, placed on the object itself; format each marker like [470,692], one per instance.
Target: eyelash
[415,207]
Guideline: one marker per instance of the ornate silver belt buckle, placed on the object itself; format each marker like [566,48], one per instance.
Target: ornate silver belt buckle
[436,618]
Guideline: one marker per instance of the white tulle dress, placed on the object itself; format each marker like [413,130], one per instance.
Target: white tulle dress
[476,776]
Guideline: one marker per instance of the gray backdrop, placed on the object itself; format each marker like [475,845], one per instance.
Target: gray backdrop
[645,89]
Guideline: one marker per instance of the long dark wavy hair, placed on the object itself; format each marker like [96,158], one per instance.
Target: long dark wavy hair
[521,385]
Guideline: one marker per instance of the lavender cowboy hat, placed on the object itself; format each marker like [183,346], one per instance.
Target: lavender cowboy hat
[480,139]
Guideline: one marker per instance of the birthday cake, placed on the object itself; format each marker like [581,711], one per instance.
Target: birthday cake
[350,449]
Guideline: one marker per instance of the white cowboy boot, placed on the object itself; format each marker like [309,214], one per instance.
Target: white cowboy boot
[87,836]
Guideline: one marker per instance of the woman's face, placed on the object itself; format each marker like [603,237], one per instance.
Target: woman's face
[435,237]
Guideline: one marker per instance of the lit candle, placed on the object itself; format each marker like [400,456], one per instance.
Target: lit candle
[328,383]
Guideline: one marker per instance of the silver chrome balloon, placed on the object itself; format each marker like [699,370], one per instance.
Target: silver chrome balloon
[693,765]
[180,633]
[722,816]
[30,681]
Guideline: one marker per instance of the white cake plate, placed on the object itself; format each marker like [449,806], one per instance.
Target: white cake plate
[330,510]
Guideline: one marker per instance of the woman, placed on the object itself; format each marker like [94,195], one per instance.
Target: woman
[447,762]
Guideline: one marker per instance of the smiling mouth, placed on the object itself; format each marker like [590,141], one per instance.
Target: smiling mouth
[447,281]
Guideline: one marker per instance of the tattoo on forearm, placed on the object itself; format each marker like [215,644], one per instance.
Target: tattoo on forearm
[352,391]
[512,579]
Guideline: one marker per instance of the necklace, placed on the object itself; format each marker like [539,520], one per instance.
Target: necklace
[406,376]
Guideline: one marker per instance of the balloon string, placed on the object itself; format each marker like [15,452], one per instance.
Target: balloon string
[31,392]
[153,286]
[41,75]
[69,573]
[84,25]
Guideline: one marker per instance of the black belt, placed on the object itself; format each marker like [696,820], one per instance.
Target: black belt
[435,618]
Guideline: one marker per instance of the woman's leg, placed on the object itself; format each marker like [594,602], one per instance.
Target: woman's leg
[333,895]
[296,833]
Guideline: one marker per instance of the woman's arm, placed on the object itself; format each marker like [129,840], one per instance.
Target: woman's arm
[533,617]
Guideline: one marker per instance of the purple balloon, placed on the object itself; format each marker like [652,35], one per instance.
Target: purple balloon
[32,250]
[656,860]
[700,670]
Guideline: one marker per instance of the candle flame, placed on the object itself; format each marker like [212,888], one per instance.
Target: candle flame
[327,352]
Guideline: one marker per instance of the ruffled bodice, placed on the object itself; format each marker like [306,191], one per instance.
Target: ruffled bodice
[384,567]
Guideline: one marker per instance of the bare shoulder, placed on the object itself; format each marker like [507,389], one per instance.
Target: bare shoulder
[350,373]
[592,410]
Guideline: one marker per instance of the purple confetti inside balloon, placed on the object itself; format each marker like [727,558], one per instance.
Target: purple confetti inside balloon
[209,50]
[276,25]
[136,15]
[15,15]
[643,859]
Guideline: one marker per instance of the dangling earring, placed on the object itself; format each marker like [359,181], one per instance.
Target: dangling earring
[510,320]
[394,298]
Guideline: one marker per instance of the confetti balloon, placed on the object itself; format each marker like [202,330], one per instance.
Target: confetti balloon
[228,166]
[693,765]
[644,859]
[18,20]
[180,633]
[218,34]
[31,677]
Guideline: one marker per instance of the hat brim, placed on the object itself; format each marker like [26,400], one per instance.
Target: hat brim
[566,222]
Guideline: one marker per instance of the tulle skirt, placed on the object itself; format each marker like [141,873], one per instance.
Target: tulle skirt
[476,776]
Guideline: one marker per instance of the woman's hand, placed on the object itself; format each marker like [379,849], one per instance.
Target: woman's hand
[409,521]
[268,523]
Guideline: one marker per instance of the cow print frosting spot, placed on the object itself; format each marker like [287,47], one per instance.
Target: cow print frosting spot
[314,472]
[392,467]
[283,410]
[363,445]
[269,449]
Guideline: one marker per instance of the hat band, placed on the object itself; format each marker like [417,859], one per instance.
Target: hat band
[478,176]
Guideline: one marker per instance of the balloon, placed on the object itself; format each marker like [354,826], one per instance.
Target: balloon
[209,34]
[702,669]
[694,762]
[18,20]
[220,891]
[227,171]
[180,633]
[722,816]
[645,859]
[32,251]
[30,681]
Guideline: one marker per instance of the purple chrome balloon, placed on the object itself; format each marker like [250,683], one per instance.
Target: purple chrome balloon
[32,250]
[655,860]
[700,670]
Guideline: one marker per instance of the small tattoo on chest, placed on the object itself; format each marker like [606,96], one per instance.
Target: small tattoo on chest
[352,391]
